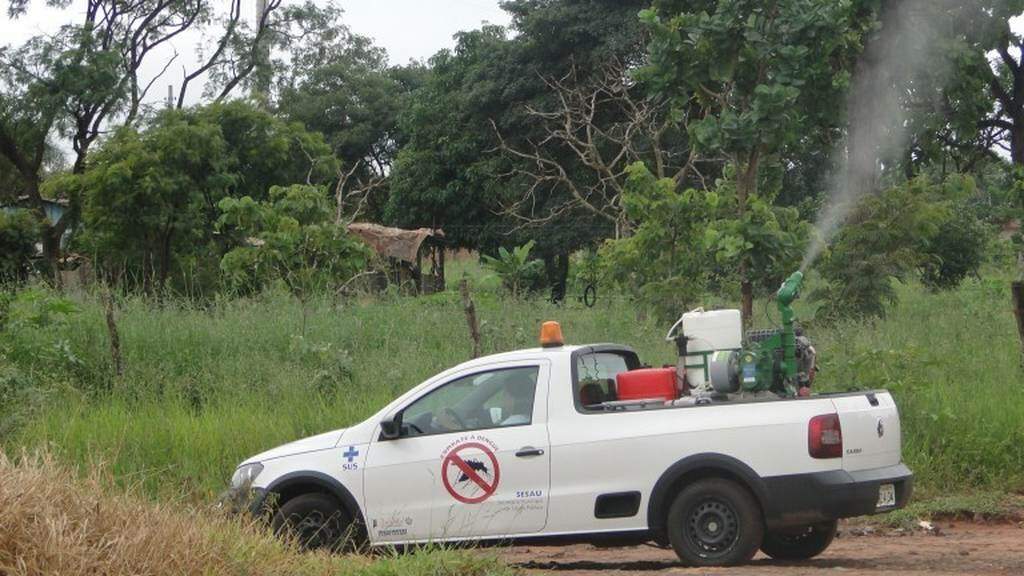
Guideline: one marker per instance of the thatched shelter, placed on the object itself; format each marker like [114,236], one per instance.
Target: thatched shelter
[406,251]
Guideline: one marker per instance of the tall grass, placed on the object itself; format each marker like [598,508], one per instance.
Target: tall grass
[56,523]
[205,387]
[953,362]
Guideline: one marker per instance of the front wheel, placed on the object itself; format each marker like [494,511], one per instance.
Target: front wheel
[799,543]
[715,522]
[315,521]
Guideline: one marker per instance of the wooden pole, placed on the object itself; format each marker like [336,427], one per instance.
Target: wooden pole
[115,340]
[1018,310]
[470,309]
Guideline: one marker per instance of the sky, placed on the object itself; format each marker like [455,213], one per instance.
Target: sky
[416,29]
[407,29]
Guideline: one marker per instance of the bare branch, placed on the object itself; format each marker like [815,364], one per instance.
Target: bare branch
[214,59]
[359,193]
[262,31]
[601,125]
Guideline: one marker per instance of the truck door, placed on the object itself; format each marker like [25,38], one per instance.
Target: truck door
[481,437]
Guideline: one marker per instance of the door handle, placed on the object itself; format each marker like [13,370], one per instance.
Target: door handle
[529,451]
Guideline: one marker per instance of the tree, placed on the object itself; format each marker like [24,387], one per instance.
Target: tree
[592,133]
[40,82]
[444,176]
[339,84]
[981,28]
[451,172]
[151,196]
[145,192]
[291,237]
[267,150]
[760,73]
[662,261]
[78,82]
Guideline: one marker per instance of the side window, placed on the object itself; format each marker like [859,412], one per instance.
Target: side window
[595,377]
[491,399]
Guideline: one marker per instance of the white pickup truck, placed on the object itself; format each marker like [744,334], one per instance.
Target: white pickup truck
[509,447]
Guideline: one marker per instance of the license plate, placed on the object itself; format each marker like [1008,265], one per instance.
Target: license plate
[886,496]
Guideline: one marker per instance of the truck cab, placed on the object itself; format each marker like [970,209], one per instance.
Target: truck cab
[537,444]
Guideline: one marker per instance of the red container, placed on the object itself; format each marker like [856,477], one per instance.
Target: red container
[646,384]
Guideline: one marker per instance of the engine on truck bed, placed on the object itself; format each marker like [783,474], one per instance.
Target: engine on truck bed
[715,360]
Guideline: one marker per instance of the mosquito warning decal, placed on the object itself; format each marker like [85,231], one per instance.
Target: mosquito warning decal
[470,472]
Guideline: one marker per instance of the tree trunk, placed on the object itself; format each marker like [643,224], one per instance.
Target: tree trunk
[51,232]
[746,186]
[51,251]
[560,280]
[165,260]
[746,302]
[1017,144]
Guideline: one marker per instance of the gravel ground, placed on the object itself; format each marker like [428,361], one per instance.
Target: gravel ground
[951,548]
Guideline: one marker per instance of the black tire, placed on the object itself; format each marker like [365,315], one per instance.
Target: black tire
[715,522]
[590,295]
[799,543]
[315,521]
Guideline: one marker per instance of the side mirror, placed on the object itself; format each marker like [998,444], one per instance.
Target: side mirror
[391,429]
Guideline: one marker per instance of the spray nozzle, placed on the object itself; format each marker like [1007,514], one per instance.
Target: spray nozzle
[790,289]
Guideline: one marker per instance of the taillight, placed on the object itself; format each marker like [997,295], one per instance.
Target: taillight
[825,437]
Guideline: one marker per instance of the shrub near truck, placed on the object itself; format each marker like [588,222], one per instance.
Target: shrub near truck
[504,448]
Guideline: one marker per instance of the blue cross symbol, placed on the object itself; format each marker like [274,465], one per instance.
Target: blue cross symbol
[351,453]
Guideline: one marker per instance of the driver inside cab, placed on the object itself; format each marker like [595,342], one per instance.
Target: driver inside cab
[494,399]
[518,400]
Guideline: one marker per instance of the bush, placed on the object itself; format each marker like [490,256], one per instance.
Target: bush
[31,329]
[19,232]
[958,249]
[291,238]
[918,226]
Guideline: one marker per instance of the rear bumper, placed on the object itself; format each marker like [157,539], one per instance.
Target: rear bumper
[808,498]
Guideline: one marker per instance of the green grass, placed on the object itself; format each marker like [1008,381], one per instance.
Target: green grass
[205,387]
[952,361]
[984,506]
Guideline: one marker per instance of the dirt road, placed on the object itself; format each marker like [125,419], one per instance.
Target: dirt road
[957,548]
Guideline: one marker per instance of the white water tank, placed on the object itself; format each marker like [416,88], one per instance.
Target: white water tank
[707,333]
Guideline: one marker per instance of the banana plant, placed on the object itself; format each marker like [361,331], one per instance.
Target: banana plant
[514,268]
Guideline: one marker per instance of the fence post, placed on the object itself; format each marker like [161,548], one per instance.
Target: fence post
[115,340]
[1018,310]
[470,309]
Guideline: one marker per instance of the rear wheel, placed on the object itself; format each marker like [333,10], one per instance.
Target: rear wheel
[316,521]
[715,522]
[799,543]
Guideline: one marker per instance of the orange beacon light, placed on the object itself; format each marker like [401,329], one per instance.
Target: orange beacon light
[551,335]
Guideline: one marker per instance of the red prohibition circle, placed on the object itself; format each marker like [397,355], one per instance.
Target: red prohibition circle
[453,458]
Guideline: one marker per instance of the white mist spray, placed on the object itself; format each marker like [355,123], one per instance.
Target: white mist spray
[876,107]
